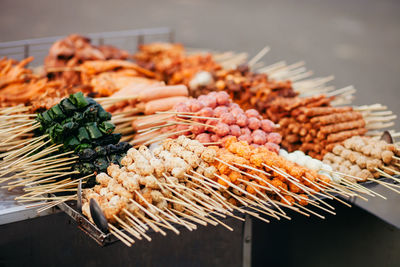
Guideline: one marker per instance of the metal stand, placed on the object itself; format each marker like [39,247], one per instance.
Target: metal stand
[247,240]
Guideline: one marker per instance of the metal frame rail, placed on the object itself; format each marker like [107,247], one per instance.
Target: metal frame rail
[128,40]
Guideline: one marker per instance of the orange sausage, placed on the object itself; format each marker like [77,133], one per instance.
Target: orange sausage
[136,88]
[163,92]
[163,104]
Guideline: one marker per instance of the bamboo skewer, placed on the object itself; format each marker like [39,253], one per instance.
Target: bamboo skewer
[120,235]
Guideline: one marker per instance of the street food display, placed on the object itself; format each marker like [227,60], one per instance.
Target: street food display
[365,157]
[163,138]
[210,118]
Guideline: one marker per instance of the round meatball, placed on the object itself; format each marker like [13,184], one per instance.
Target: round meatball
[237,111]
[228,118]
[233,106]
[202,98]
[198,129]
[203,138]
[259,137]
[252,113]
[196,105]
[214,138]
[272,147]
[235,130]
[209,101]
[222,98]
[242,120]
[222,129]
[254,123]
[275,138]
[213,94]
[206,112]
[218,111]
[267,126]
[212,123]
[245,137]
[181,107]
[245,130]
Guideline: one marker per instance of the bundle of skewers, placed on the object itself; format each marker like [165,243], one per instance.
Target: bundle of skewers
[248,82]
[183,182]
[314,126]
[366,159]
[256,139]
[210,119]
[53,150]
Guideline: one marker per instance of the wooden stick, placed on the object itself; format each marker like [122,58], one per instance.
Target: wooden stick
[120,238]
[139,222]
[145,210]
[151,224]
[292,208]
[55,203]
[75,181]
[139,229]
[196,220]
[159,210]
[385,185]
[221,223]
[190,226]
[35,126]
[120,233]
[310,211]
[193,205]
[259,55]
[128,228]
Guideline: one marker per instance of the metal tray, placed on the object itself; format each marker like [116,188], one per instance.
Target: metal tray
[128,40]
[105,239]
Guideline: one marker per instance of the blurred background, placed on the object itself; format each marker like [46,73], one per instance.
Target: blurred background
[356,41]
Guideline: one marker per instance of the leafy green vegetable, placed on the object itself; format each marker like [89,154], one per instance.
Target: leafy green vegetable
[106,127]
[71,141]
[109,139]
[68,127]
[83,126]
[67,106]
[58,113]
[55,132]
[103,115]
[44,118]
[93,130]
[90,113]
[82,146]
[83,134]
[79,100]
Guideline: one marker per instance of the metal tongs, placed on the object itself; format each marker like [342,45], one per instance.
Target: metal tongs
[95,210]
[387,137]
